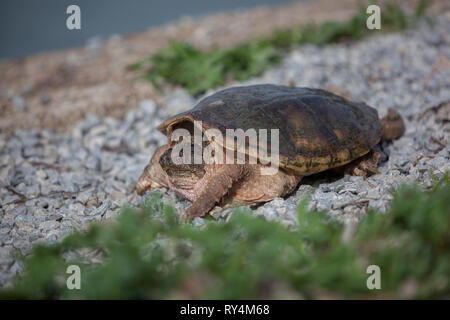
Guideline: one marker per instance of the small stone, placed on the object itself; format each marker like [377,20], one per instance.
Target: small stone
[39,212]
[198,222]
[373,193]
[41,174]
[5,254]
[303,190]
[288,224]
[32,191]
[76,207]
[113,143]
[101,209]
[92,201]
[148,107]
[106,165]
[117,195]
[10,199]
[7,170]
[8,220]
[101,196]
[93,163]
[111,214]
[49,225]
[281,210]
[4,230]
[118,198]
[84,196]
[20,210]
[52,236]
[98,130]
[91,121]
[278,202]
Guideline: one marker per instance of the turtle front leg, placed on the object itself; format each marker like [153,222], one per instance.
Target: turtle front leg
[214,189]
[364,166]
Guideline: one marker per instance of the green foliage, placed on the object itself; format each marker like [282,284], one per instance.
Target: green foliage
[147,254]
[197,71]
[183,64]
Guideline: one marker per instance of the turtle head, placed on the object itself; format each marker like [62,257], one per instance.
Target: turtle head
[163,171]
[153,176]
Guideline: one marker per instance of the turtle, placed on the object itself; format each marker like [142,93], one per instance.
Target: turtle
[317,131]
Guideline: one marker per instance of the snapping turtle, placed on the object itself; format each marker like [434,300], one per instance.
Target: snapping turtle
[318,130]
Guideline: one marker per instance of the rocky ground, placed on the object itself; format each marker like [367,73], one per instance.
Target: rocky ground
[54,183]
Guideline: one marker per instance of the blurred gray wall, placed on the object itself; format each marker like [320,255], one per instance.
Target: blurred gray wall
[30,26]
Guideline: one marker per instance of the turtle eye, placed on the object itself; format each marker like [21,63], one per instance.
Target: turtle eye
[165,161]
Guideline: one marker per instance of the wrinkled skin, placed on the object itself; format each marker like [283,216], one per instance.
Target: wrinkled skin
[207,184]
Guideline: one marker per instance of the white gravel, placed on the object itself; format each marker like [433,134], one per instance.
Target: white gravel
[52,184]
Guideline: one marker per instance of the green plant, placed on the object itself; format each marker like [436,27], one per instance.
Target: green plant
[148,254]
[183,64]
[197,71]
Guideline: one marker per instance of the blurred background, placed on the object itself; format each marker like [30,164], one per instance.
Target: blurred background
[28,27]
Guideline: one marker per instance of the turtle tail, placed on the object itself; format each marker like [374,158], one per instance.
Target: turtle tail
[393,125]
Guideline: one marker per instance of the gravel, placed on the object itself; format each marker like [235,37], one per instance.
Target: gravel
[52,184]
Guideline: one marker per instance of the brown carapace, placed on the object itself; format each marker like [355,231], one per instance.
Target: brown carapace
[317,131]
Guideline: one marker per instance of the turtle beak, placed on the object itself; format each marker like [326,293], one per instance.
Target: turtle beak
[153,176]
[144,183]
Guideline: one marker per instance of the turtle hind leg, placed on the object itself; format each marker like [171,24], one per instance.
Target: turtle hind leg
[393,125]
[365,166]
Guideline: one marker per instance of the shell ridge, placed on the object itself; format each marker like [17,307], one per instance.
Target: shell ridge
[317,129]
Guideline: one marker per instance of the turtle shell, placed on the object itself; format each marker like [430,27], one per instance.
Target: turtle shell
[318,130]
